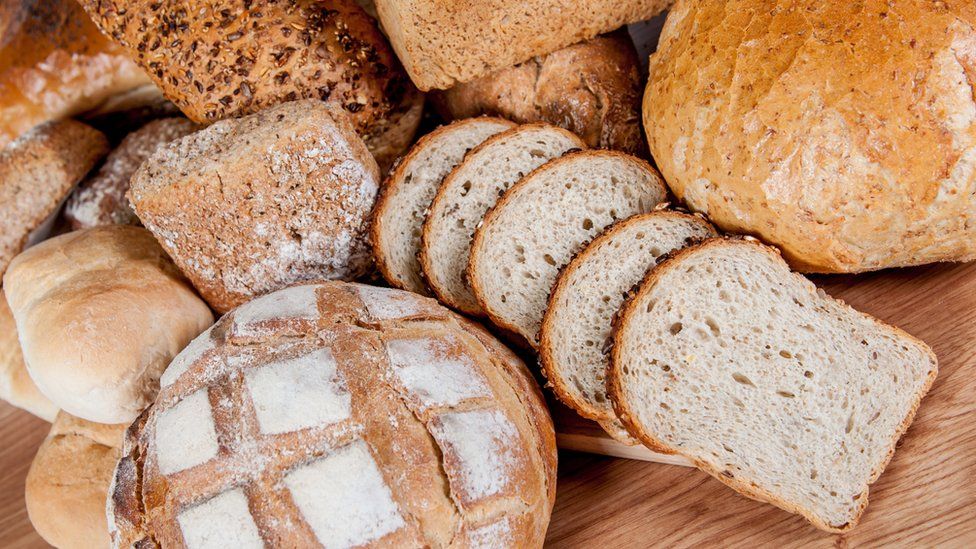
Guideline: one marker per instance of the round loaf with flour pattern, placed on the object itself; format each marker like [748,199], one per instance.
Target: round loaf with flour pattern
[340,415]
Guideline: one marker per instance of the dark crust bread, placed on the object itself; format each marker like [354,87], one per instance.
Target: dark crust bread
[627,416]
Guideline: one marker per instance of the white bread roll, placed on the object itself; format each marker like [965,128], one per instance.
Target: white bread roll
[100,314]
[16,386]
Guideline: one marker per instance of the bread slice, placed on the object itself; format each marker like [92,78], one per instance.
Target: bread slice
[576,330]
[468,192]
[402,206]
[790,397]
[541,222]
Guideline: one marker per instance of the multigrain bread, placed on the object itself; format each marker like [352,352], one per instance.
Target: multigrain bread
[67,484]
[406,195]
[100,199]
[592,89]
[468,192]
[100,313]
[443,42]
[237,57]
[249,205]
[343,415]
[16,386]
[766,383]
[543,221]
[37,172]
[576,334]
[842,132]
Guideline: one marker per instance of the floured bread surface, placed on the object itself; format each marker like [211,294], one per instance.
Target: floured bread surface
[469,192]
[340,415]
[402,206]
[543,221]
[577,329]
[726,357]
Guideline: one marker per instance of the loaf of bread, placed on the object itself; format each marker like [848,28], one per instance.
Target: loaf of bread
[37,172]
[790,397]
[54,63]
[16,386]
[442,43]
[339,415]
[67,485]
[236,57]
[250,205]
[100,314]
[842,132]
[592,89]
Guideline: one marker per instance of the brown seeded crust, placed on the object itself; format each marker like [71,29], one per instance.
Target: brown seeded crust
[236,57]
[592,89]
[624,410]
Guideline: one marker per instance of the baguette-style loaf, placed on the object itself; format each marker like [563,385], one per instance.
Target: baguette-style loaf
[341,415]
[16,386]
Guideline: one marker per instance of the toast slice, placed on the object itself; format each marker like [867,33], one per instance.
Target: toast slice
[468,192]
[576,330]
[402,206]
[791,397]
[541,222]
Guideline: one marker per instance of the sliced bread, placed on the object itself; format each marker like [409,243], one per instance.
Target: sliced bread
[400,211]
[541,222]
[471,190]
[576,331]
[788,396]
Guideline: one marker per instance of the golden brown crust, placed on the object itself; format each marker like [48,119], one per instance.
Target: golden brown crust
[16,386]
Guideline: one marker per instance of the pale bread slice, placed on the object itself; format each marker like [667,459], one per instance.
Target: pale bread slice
[783,393]
[541,222]
[576,333]
[406,195]
[469,192]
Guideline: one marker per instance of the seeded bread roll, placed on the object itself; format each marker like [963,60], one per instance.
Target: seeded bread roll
[339,415]
[16,386]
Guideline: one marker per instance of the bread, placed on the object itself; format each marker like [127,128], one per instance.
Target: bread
[592,89]
[342,415]
[407,193]
[466,195]
[541,222]
[442,42]
[727,358]
[100,313]
[37,171]
[841,132]
[68,481]
[100,199]
[16,386]
[250,205]
[54,64]
[576,330]
[238,57]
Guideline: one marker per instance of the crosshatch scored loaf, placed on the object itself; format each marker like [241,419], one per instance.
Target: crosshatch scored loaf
[344,414]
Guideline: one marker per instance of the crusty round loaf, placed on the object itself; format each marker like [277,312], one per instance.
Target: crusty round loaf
[67,485]
[100,314]
[592,89]
[343,415]
[16,386]
[842,132]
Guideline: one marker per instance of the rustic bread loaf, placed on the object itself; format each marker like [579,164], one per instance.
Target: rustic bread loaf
[844,133]
[67,485]
[406,195]
[16,386]
[37,172]
[100,199]
[237,57]
[592,89]
[541,222]
[788,396]
[341,415]
[250,205]
[54,63]
[100,313]
[576,330]
[442,43]
[466,195]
